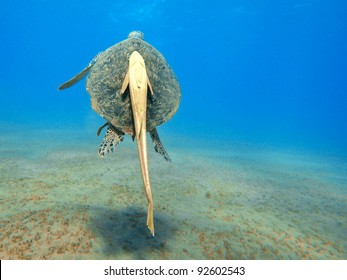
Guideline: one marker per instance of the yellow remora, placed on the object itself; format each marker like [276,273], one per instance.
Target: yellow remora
[138,82]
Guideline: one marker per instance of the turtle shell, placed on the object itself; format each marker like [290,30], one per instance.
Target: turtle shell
[105,80]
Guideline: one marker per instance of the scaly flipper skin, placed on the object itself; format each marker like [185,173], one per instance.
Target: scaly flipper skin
[111,140]
[158,146]
[80,75]
[138,82]
[75,79]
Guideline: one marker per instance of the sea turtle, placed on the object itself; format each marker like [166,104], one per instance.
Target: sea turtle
[118,82]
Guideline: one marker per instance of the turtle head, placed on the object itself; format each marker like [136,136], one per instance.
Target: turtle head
[136,34]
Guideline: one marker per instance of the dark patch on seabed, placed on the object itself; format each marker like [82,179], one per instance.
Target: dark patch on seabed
[123,232]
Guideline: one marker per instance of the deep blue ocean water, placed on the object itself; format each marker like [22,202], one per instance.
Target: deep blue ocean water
[263,72]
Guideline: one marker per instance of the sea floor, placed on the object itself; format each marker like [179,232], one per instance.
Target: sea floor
[60,200]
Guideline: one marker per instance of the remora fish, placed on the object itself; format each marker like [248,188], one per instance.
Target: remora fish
[138,82]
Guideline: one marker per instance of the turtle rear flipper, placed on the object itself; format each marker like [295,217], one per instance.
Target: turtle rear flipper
[158,146]
[101,128]
[111,140]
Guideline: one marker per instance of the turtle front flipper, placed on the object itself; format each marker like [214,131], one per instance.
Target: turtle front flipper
[80,75]
[75,79]
[158,146]
[111,140]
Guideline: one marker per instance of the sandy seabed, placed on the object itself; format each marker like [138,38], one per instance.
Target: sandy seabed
[60,200]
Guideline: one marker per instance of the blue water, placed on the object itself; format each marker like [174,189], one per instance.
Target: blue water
[264,72]
[258,144]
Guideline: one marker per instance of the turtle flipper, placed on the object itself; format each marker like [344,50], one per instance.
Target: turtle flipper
[111,140]
[158,146]
[76,79]
[101,128]
[80,75]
